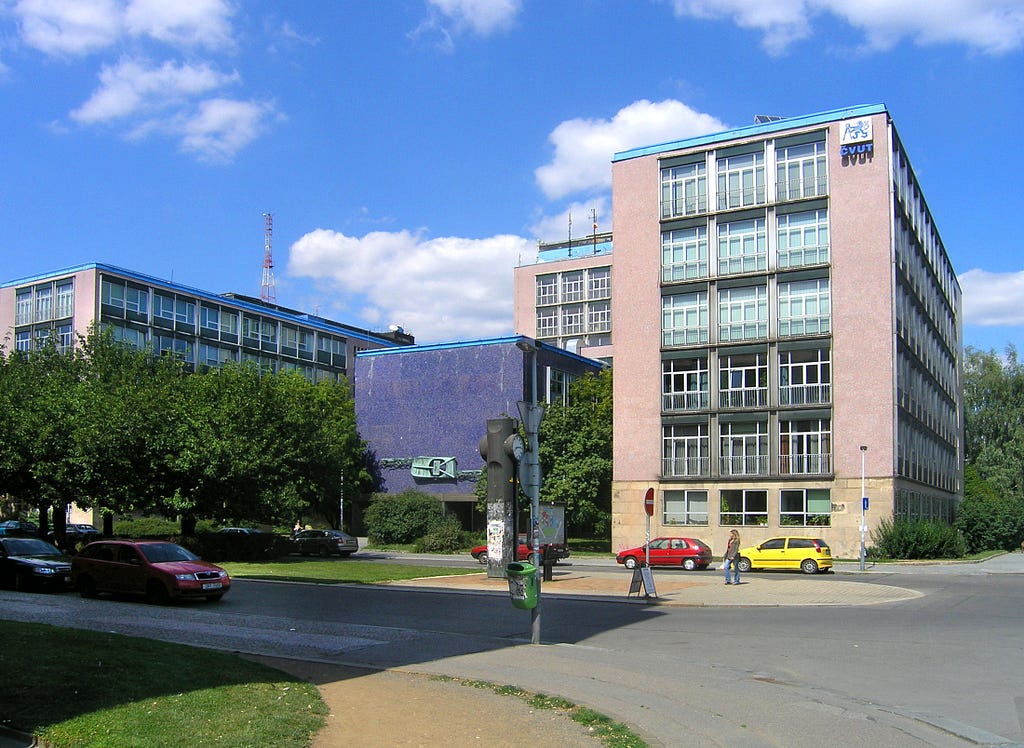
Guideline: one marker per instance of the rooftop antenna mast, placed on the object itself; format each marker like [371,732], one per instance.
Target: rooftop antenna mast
[570,232]
[593,216]
[268,289]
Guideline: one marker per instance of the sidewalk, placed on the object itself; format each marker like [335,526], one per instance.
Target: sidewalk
[676,587]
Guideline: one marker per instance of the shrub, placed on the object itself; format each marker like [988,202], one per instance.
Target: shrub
[446,536]
[401,518]
[988,519]
[901,538]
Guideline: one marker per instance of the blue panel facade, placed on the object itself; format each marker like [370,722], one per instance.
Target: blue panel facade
[435,401]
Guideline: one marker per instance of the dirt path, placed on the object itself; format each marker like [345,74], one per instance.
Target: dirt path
[389,708]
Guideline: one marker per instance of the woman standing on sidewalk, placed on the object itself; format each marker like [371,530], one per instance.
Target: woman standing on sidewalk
[732,557]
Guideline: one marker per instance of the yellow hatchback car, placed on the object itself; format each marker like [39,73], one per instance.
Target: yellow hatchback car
[810,555]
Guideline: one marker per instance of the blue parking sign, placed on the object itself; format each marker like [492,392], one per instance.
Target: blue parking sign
[865,503]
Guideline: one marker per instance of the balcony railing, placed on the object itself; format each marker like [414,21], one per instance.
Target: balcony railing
[749,398]
[805,394]
[677,401]
[819,464]
[744,465]
[686,467]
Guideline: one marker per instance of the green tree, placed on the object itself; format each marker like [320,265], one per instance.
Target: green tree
[989,519]
[576,454]
[994,417]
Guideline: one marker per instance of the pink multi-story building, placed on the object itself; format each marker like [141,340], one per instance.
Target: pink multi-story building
[784,324]
[787,335]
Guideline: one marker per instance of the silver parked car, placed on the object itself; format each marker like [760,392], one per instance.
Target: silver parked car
[324,543]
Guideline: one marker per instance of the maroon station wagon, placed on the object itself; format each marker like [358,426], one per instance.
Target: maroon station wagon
[161,571]
[690,553]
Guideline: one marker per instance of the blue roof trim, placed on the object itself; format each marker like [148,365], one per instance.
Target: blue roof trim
[512,340]
[807,120]
[302,318]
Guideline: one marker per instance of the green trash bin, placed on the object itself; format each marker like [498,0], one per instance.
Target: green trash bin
[522,585]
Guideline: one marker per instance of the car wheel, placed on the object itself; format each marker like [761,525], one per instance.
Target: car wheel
[324,551]
[215,598]
[809,566]
[743,564]
[86,587]
[630,562]
[156,593]
[482,557]
[689,564]
[345,554]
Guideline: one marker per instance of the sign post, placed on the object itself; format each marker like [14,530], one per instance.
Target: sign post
[649,509]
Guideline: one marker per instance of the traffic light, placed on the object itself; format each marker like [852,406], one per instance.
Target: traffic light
[496,449]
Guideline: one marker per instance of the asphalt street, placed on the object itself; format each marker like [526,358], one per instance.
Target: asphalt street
[900,655]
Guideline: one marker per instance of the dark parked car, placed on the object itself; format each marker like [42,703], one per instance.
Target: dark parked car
[75,536]
[690,553]
[161,571]
[238,531]
[324,543]
[19,528]
[33,564]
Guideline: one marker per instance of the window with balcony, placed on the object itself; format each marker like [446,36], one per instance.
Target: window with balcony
[547,289]
[684,319]
[163,307]
[572,286]
[44,303]
[805,507]
[742,313]
[744,448]
[573,320]
[743,507]
[805,446]
[685,451]
[599,283]
[742,247]
[23,307]
[599,317]
[65,299]
[547,322]
[805,377]
[684,190]
[685,508]
[741,181]
[803,238]
[743,381]
[209,319]
[684,254]
[800,171]
[684,384]
[805,308]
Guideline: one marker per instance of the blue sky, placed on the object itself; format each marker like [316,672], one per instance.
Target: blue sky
[412,152]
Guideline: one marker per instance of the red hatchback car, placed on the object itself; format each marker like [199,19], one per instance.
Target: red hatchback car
[690,553]
[161,571]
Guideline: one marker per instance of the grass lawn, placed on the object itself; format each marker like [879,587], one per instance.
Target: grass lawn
[77,688]
[335,571]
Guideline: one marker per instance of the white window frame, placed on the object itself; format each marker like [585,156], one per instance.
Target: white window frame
[684,190]
[742,313]
[685,319]
[744,448]
[805,377]
[685,384]
[749,511]
[801,171]
[742,247]
[805,446]
[805,308]
[803,238]
[686,450]
[741,181]
[684,254]
[687,507]
[805,507]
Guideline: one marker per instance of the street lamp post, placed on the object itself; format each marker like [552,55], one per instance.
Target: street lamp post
[532,413]
[863,499]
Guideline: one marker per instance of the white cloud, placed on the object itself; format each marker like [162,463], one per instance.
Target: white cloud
[991,26]
[442,289]
[584,147]
[992,299]
[205,23]
[557,228]
[482,17]
[77,27]
[132,86]
[69,26]
[222,127]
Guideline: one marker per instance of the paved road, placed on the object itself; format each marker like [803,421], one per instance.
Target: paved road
[934,662]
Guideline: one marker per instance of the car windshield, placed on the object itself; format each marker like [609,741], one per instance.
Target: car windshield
[28,547]
[159,553]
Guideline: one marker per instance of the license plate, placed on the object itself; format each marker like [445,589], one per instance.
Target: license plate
[212,586]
